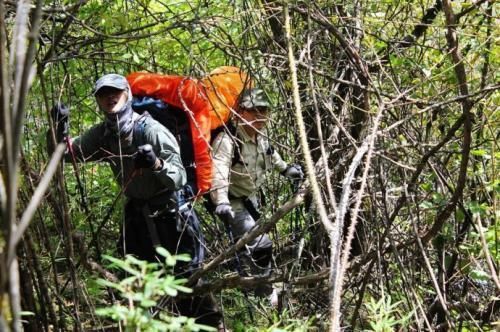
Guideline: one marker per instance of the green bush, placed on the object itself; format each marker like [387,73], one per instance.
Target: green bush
[145,285]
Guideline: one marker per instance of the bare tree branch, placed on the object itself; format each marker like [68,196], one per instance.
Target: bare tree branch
[261,228]
[466,109]
[35,200]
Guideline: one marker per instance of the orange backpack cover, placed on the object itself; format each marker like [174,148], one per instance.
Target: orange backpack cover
[208,103]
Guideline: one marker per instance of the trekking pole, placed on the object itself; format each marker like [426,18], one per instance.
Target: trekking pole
[295,222]
[82,195]
[229,232]
[239,269]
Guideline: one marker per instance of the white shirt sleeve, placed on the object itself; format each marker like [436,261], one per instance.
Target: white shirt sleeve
[222,155]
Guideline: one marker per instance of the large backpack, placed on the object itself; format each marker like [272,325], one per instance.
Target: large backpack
[193,110]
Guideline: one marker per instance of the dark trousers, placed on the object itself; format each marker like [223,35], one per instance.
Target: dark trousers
[179,234]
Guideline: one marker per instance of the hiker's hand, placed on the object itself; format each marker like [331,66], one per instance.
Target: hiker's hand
[294,172]
[146,158]
[224,210]
[60,116]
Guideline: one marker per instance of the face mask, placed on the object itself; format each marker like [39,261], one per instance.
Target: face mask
[121,122]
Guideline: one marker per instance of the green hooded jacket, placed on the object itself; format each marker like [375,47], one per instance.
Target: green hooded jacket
[100,144]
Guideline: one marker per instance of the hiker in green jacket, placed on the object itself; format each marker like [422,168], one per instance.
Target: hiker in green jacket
[148,166]
[241,162]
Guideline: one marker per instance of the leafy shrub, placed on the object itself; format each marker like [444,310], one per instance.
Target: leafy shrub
[141,291]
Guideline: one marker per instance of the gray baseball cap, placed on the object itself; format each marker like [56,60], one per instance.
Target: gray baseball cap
[111,80]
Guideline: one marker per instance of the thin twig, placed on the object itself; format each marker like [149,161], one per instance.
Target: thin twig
[35,200]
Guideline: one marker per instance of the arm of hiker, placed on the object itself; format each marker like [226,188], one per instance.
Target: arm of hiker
[276,159]
[59,114]
[84,148]
[168,168]
[290,171]
[87,147]
[222,154]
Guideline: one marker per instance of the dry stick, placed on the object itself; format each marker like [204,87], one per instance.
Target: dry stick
[35,201]
[433,277]
[404,276]
[68,245]
[46,242]
[83,198]
[15,298]
[354,217]
[42,285]
[7,207]
[483,92]
[473,6]
[50,9]
[18,55]
[459,68]
[71,152]
[30,287]
[323,216]
[420,167]
[484,72]
[352,53]
[320,132]
[479,230]
[64,30]
[260,228]
[487,51]
[24,80]
[339,216]
[360,294]
[236,281]
[60,323]
[410,40]
[105,219]
[22,55]
[486,251]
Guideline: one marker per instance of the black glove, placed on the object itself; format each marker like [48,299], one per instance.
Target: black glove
[145,157]
[60,116]
[293,172]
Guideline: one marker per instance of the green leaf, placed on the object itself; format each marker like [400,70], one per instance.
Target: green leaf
[147,303]
[183,258]
[183,289]
[110,284]
[479,275]
[481,153]
[163,252]
[171,292]
[477,208]
[426,205]
[136,58]
[426,186]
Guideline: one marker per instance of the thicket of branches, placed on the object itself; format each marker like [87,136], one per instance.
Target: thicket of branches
[390,106]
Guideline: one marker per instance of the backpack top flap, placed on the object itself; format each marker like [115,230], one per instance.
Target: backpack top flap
[223,87]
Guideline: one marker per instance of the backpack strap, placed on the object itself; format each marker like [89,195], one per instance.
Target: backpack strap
[231,128]
[139,129]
